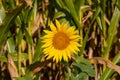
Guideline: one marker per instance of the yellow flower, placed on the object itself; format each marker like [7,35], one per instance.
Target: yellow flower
[60,42]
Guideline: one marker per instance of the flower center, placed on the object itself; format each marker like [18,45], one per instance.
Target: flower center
[60,40]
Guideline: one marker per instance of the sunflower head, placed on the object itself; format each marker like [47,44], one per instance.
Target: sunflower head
[60,42]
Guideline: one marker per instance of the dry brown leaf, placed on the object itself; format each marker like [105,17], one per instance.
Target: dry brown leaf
[36,23]
[12,68]
[87,17]
[29,2]
[103,61]
[41,66]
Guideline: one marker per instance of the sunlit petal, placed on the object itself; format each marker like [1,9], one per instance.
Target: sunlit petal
[58,24]
[52,27]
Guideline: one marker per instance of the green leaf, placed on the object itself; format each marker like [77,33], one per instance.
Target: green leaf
[68,73]
[69,4]
[7,24]
[61,4]
[2,13]
[97,12]
[11,44]
[118,4]
[81,76]
[35,8]
[25,13]
[28,37]
[111,32]
[3,59]
[108,72]
[19,36]
[72,77]
[38,51]
[98,9]
[14,56]
[99,22]
[24,56]
[78,4]
[59,14]
[26,77]
[84,66]
[103,23]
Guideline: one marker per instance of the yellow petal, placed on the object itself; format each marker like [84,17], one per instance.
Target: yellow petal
[56,57]
[60,55]
[71,49]
[47,36]
[46,44]
[71,29]
[52,27]
[68,53]
[51,54]
[65,56]
[74,37]
[57,24]
[76,32]
[64,26]
[47,40]
[75,44]
[48,49]
[75,47]
[48,32]
[76,40]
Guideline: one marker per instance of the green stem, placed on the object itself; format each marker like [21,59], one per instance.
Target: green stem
[29,54]
[29,45]
[19,60]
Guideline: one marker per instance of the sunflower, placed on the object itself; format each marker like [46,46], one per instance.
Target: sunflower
[60,42]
